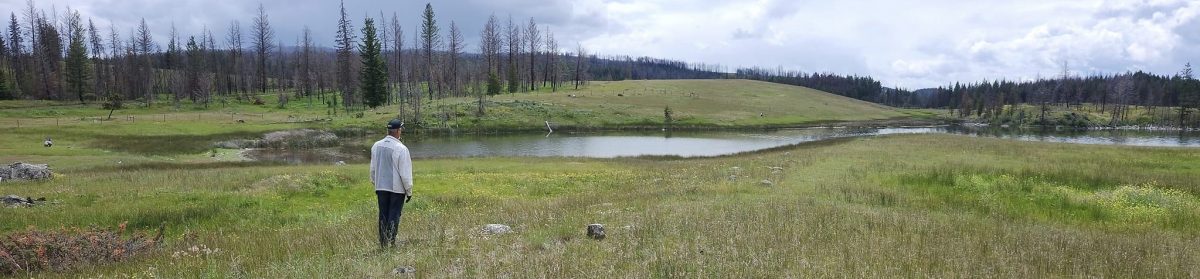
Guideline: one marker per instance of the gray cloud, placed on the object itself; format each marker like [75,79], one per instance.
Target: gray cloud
[904,43]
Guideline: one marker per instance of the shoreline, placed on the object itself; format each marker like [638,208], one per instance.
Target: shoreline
[1087,128]
[879,123]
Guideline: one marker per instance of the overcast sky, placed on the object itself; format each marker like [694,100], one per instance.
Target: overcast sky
[911,44]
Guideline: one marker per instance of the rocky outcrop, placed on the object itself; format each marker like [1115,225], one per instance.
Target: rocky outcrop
[22,171]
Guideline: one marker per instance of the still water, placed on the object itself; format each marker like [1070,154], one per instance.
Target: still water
[695,144]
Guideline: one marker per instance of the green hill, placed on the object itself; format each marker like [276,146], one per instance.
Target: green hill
[709,103]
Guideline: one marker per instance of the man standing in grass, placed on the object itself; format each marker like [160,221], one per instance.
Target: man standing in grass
[391,172]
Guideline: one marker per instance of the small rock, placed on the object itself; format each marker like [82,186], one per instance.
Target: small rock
[765,182]
[776,169]
[496,229]
[733,177]
[595,231]
[12,198]
[340,163]
[403,270]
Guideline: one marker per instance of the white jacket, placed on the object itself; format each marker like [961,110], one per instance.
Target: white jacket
[391,166]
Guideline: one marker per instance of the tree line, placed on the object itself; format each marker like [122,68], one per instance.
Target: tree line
[858,87]
[48,56]
[1115,95]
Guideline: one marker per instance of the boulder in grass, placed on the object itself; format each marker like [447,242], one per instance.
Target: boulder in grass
[596,231]
[408,269]
[496,229]
[15,201]
[23,171]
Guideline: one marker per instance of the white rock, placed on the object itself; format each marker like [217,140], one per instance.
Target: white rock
[496,229]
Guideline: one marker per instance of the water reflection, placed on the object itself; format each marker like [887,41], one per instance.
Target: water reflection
[695,144]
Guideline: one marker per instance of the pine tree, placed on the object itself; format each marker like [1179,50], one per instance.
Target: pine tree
[344,42]
[77,68]
[48,54]
[5,93]
[14,36]
[429,41]
[373,75]
[195,64]
[15,53]
[3,50]
[493,85]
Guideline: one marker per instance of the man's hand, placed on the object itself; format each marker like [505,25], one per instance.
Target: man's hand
[407,198]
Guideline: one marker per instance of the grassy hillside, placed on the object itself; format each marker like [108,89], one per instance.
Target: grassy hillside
[894,206]
[708,103]
[693,102]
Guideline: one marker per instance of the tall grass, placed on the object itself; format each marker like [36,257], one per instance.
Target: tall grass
[893,206]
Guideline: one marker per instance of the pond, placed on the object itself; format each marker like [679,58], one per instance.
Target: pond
[693,144]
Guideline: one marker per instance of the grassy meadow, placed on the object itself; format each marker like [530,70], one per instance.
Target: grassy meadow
[904,205]
[887,206]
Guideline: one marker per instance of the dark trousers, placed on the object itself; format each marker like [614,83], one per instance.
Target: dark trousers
[391,206]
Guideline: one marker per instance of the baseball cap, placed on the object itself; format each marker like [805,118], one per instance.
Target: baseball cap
[395,124]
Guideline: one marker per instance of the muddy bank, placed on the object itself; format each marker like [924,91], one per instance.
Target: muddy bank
[289,139]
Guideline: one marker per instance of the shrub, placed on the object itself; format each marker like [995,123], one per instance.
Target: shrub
[37,250]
